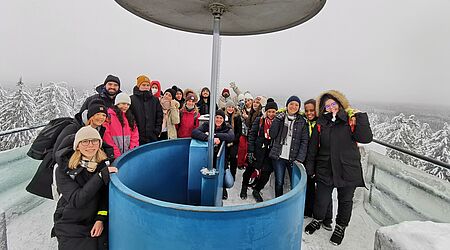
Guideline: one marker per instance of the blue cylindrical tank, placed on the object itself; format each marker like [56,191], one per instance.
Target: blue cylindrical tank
[148,208]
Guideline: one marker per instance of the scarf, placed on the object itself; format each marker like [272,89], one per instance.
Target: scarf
[267,125]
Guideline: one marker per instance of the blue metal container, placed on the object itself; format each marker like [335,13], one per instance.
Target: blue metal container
[148,208]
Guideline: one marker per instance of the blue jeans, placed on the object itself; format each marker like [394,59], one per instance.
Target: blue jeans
[279,167]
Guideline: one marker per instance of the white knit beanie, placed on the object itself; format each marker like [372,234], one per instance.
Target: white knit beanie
[122,98]
[85,133]
[248,96]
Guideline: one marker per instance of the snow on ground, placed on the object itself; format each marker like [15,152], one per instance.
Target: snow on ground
[414,235]
[359,235]
[31,230]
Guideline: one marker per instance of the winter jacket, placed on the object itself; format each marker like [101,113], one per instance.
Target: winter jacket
[224,133]
[102,95]
[203,106]
[122,139]
[148,113]
[237,129]
[333,154]
[84,196]
[188,122]
[252,117]
[300,138]
[258,144]
[173,118]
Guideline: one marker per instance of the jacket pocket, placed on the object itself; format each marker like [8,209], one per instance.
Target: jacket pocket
[351,166]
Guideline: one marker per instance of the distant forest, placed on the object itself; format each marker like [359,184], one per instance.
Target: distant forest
[423,129]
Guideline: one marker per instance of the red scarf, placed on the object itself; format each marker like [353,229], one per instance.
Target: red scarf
[267,124]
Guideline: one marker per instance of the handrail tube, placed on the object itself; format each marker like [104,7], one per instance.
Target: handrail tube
[17,130]
[405,151]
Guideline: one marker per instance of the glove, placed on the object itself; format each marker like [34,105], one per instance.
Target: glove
[251,158]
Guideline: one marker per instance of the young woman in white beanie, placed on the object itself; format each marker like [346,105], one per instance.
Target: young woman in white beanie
[121,130]
[82,179]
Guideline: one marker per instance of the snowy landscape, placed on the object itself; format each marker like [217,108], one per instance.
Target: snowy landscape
[421,129]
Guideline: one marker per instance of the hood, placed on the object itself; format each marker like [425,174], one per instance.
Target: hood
[100,89]
[158,94]
[137,92]
[337,95]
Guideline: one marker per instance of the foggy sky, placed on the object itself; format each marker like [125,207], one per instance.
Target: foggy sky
[378,50]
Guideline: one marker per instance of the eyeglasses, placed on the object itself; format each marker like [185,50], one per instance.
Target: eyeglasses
[94,142]
[332,105]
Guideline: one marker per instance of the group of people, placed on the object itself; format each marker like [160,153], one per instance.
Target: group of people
[259,136]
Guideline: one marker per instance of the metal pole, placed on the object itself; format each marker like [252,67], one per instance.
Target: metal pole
[3,242]
[217,11]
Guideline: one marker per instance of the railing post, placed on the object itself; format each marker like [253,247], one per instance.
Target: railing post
[3,242]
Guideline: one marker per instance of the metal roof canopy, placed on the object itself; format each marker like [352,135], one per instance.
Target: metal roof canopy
[240,17]
[230,17]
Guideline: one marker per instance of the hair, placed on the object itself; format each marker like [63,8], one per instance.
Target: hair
[129,115]
[75,159]
[310,101]
[323,99]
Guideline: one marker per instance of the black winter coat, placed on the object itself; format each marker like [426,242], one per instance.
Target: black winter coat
[43,178]
[300,138]
[83,196]
[257,142]
[237,127]
[224,133]
[148,113]
[333,154]
[203,107]
[102,95]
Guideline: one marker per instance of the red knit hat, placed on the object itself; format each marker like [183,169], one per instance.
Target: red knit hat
[225,90]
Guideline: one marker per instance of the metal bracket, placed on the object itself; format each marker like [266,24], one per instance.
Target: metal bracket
[217,9]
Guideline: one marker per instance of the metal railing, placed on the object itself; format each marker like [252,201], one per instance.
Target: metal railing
[17,130]
[405,151]
[413,154]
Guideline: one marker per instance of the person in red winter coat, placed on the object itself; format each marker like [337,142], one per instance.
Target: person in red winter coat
[189,115]
[121,131]
[156,89]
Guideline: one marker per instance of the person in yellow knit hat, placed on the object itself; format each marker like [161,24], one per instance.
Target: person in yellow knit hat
[147,111]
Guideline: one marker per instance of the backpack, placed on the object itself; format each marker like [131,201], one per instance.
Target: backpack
[47,137]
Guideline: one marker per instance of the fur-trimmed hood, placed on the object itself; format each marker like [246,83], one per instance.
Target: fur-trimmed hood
[337,95]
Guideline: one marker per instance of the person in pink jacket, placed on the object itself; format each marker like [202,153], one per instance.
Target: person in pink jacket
[121,130]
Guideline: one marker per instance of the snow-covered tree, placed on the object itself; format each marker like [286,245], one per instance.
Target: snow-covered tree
[17,112]
[53,102]
[3,96]
[74,103]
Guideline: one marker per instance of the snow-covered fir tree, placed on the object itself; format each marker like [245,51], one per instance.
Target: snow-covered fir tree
[3,96]
[17,112]
[74,103]
[53,102]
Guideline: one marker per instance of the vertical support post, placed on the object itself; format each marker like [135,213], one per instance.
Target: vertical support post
[217,10]
[3,241]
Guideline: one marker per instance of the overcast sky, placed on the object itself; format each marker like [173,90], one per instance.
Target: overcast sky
[377,50]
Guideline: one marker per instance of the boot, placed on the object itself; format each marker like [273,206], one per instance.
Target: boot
[257,195]
[326,224]
[312,226]
[338,235]
[243,192]
[224,194]
[278,191]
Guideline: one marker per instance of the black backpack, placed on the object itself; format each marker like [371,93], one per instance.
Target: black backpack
[46,139]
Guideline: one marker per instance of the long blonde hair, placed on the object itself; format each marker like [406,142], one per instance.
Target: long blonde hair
[75,159]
